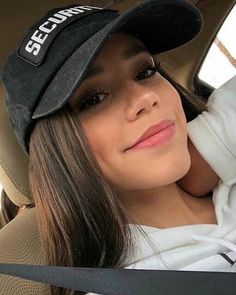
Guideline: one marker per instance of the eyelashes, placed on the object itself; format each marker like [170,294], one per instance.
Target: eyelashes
[94,97]
[146,71]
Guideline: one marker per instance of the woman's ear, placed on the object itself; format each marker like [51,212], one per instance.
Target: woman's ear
[200,179]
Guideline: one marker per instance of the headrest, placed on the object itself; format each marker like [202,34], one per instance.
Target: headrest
[13,161]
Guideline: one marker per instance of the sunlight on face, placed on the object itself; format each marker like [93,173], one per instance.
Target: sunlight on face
[121,97]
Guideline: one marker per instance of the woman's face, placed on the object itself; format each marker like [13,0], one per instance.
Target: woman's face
[122,96]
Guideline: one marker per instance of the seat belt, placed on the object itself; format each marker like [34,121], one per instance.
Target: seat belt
[114,281]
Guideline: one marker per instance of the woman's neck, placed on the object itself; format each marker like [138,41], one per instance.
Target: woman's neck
[168,206]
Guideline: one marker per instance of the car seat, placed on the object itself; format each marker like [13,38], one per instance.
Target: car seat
[19,239]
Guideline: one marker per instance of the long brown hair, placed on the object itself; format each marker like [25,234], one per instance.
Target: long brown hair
[81,220]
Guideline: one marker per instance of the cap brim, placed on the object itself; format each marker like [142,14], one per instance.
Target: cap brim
[160,25]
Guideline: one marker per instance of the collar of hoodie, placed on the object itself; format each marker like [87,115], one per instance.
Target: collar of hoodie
[227,244]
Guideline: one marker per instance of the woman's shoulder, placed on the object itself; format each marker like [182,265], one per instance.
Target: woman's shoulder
[213,132]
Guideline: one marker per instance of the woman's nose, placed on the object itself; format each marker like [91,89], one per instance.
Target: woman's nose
[141,100]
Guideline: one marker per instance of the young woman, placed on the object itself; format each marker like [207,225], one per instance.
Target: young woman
[106,131]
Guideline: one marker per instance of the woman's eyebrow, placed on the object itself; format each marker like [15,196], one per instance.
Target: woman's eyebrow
[133,51]
[93,72]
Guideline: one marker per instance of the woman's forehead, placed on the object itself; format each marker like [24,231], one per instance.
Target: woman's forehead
[122,45]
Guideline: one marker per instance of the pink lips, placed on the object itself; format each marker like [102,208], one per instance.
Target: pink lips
[155,135]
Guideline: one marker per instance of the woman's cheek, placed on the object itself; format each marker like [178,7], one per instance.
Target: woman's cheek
[100,134]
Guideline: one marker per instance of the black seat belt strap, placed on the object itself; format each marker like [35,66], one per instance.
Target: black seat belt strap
[111,281]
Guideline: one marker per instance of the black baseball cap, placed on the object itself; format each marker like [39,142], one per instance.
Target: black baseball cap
[54,56]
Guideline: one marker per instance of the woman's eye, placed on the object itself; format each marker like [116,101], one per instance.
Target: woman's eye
[91,100]
[147,73]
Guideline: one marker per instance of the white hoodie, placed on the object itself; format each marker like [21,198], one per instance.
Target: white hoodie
[201,247]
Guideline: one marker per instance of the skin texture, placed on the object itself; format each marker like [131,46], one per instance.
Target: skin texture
[200,180]
[135,98]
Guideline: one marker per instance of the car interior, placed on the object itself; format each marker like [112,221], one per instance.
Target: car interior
[19,239]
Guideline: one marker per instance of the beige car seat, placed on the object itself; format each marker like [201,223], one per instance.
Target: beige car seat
[19,239]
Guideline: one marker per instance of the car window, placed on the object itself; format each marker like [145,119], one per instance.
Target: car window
[220,62]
